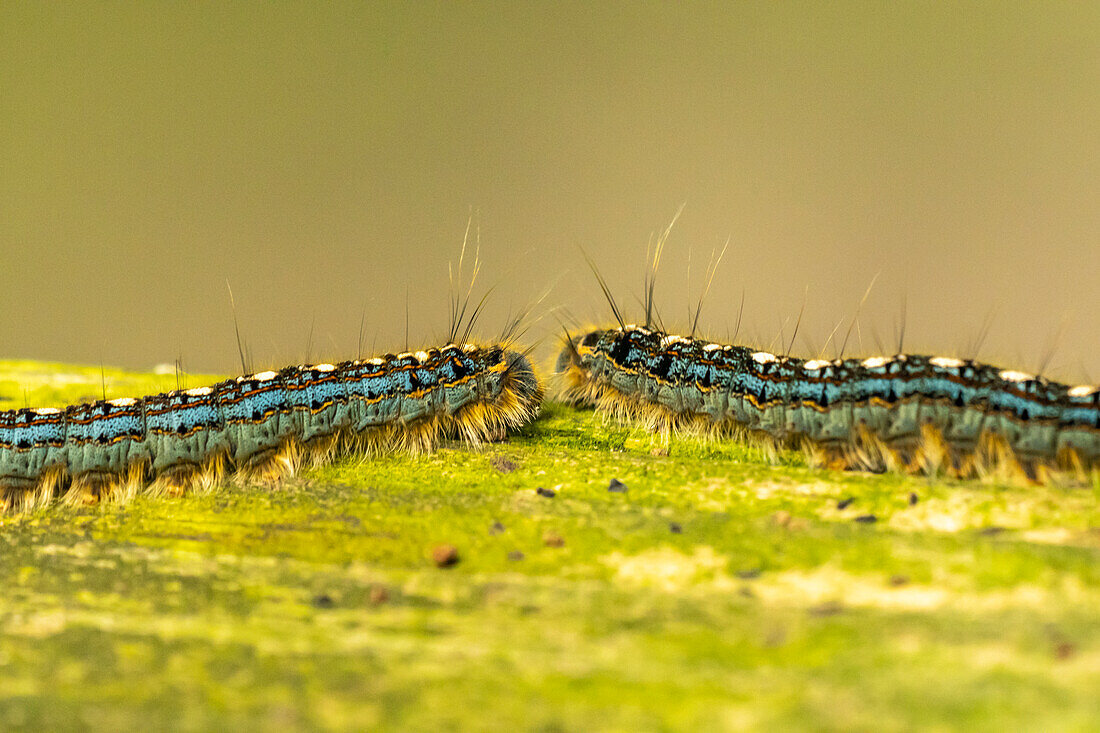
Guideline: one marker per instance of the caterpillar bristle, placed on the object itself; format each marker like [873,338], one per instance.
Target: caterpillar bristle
[85,491]
[321,450]
[271,467]
[21,497]
[188,478]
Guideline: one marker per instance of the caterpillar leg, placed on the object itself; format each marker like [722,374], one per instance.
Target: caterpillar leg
[272,466]
[21,496]
[185,478]
[92,487]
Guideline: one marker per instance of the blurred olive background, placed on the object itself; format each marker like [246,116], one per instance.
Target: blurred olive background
[324,159]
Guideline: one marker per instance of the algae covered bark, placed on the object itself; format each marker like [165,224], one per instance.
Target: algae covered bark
[710,589]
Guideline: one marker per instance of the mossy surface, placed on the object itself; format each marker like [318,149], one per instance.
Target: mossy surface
[718,591]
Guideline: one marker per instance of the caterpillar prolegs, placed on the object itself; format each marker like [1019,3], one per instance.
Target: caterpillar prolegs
[263,425]
[907,412]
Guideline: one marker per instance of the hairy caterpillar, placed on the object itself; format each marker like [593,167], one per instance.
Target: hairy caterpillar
[266,425]
[904,412]
[913,413]
[262,425]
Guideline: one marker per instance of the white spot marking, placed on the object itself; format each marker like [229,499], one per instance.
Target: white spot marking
[814,364]
[264,376]
[763,357]
[199,391]
[421,355]
[324,367]
[376,361]
[1010,375]
[669,340]
[121,402]
[946,362]
[712,347]
[875,362]
[46,411]
[1083,390]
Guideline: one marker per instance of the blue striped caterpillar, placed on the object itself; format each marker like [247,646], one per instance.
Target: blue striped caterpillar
[263,426]
[910,413]
[904,412]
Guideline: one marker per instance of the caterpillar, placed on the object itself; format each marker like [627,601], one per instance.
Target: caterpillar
[908,413]
[263,426]
[905,412]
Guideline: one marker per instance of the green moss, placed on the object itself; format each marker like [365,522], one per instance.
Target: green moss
[317,603]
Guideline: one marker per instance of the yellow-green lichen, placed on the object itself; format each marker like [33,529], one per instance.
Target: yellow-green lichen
[718,591]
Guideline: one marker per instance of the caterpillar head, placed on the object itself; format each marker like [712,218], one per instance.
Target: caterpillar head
[576,350]
[575,362]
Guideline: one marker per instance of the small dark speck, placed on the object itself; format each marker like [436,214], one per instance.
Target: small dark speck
[828,608]
[1064,650]
[496,528]
[913,498]
[548,493]
[502,464]
[990,531]
[378,594]
[515,555]
[749,574]
[899,580]
[444,556]
[775,637]
[553,539]
[617,486]
[845,503]
[866,519]
[675,528]
[323,600]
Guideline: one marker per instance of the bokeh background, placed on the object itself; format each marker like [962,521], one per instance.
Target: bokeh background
[324,159]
